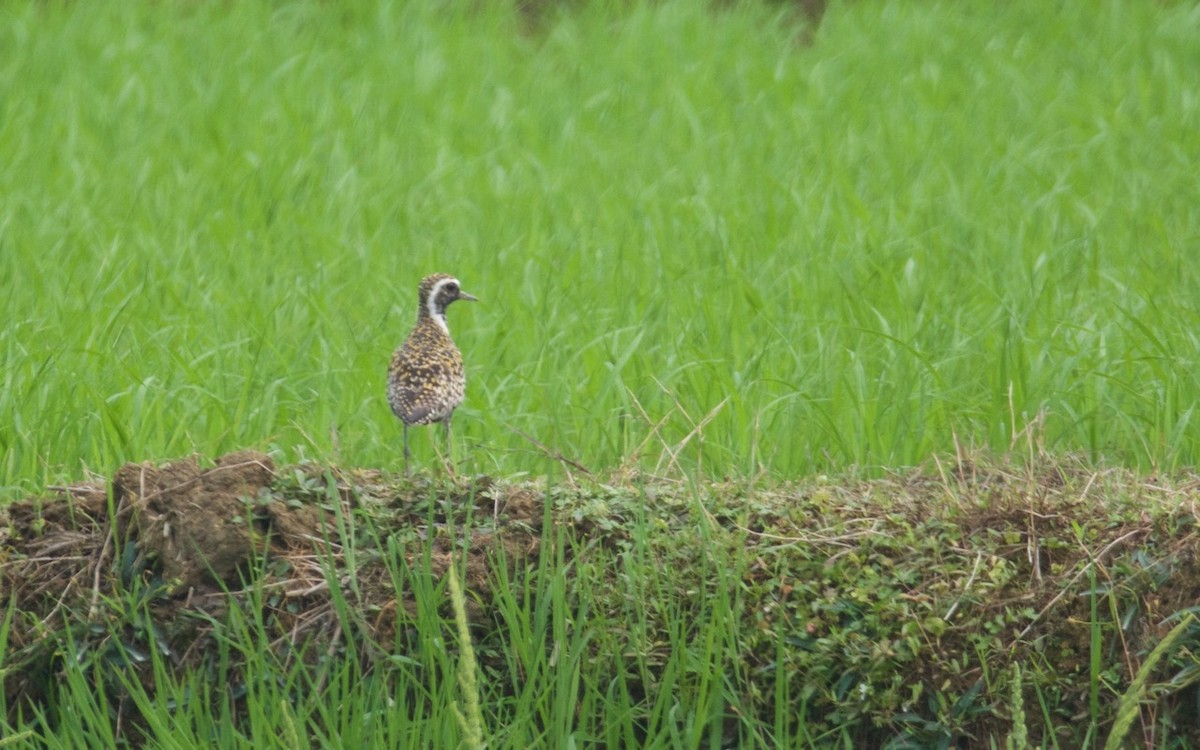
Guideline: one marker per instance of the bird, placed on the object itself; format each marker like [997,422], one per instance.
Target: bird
[426,379]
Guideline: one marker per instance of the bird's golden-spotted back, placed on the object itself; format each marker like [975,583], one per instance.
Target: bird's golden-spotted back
[426,377]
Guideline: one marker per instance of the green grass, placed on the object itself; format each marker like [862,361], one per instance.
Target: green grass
[696,237]
[938,219]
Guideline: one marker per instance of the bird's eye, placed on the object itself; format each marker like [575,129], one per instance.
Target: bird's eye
[452,287]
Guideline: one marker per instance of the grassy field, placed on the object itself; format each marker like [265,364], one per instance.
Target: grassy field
[937,219]
[706,243]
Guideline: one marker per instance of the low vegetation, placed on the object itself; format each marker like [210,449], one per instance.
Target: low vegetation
[967,604]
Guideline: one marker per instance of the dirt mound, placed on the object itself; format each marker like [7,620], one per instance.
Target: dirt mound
[190,538]
[195,521]
[201,525]
[917,586]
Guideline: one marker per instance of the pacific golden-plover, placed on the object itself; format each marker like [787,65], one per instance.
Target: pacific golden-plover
[426,381]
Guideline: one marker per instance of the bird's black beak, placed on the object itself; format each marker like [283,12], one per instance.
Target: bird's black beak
[468,297]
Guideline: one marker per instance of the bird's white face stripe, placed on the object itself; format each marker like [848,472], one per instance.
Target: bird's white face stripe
[431,303]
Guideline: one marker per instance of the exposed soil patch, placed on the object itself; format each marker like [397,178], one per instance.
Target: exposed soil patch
[196,522]
[193,538]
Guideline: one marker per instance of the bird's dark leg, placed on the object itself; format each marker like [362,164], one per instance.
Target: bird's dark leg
[449,443]
[406,469]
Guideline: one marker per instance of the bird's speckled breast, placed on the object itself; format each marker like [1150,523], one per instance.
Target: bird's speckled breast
[426,379]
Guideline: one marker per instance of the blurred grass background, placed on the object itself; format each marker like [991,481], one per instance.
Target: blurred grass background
[921,221]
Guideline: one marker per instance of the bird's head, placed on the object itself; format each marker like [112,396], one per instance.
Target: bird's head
[437,292]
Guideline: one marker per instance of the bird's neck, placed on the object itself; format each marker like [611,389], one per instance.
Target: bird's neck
[436,315]
[430,308]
